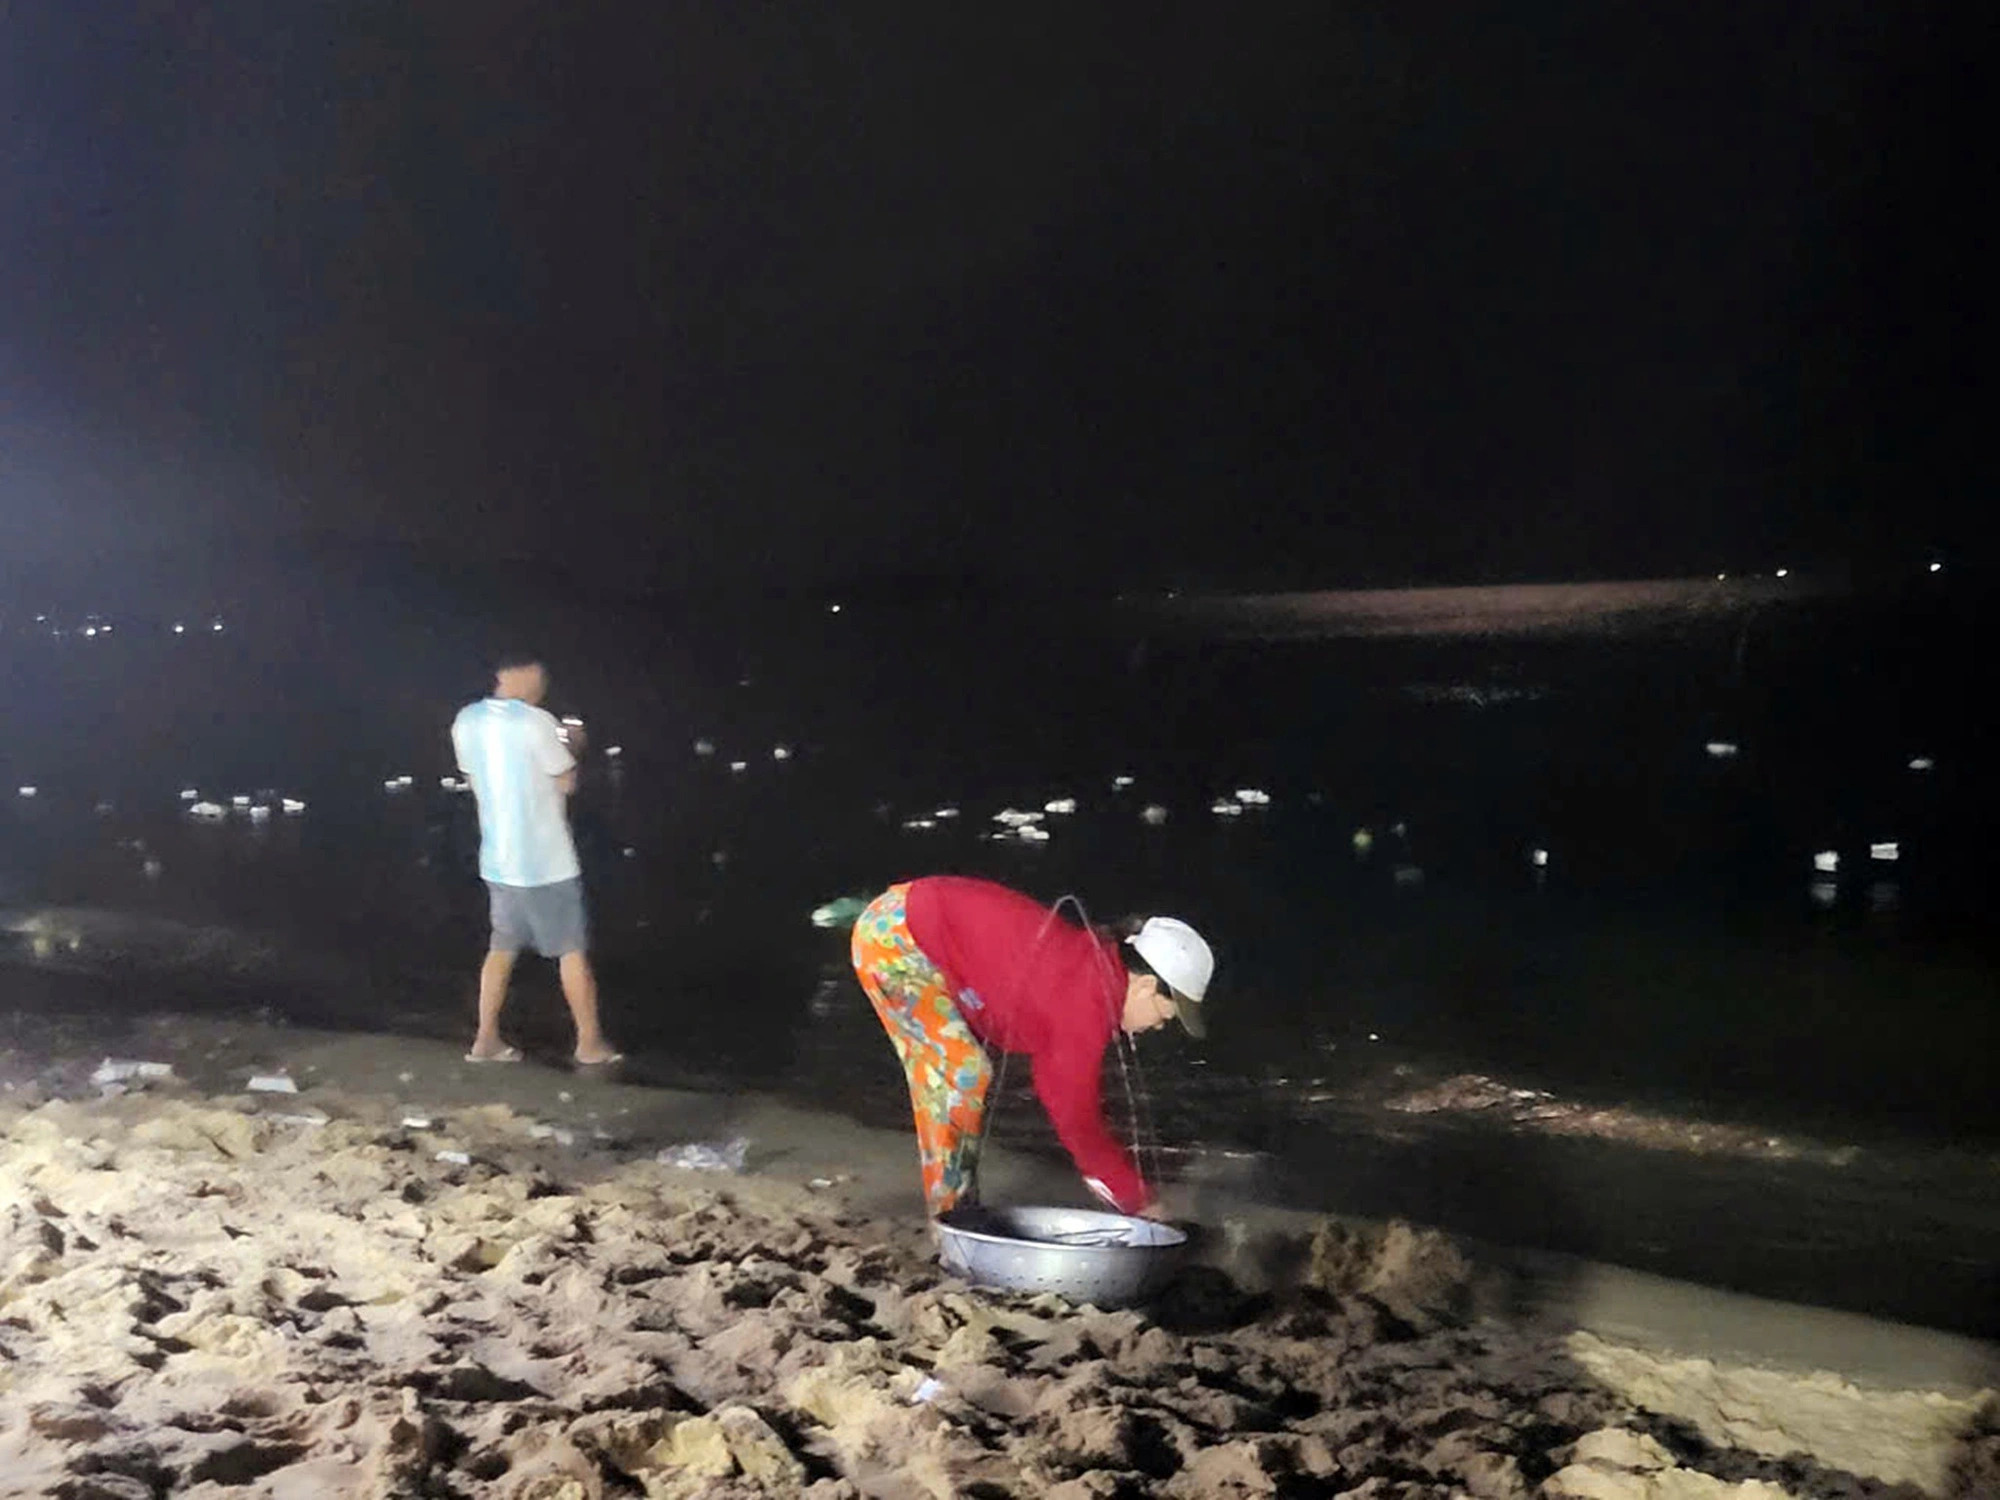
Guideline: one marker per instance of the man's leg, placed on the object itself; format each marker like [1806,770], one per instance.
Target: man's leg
[564,930]
[579,987]
[493,977]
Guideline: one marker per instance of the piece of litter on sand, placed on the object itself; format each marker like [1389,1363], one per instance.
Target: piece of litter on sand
[309,1117]
[119,1070]
[563,1096]
[272,1083]
[416,1122]
[729,1156]
[456,1158]
[927,1391]
[406,1078]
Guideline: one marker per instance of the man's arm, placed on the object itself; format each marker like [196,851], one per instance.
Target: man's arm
[552,756]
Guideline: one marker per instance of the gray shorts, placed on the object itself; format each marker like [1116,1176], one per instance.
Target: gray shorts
[547,918]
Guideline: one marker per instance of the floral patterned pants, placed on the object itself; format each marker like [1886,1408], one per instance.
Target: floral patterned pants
[947,1068]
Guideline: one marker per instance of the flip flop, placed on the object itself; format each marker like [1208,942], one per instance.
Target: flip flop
[599,1062]
[504,1055]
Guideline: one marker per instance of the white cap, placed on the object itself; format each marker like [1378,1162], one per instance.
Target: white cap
[1184,963]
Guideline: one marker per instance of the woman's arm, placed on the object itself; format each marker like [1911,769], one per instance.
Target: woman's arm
[1069,1083]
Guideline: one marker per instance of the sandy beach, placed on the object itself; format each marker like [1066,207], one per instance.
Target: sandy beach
[413,1277]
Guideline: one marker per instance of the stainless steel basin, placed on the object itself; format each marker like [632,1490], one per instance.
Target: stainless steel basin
[1109,1260]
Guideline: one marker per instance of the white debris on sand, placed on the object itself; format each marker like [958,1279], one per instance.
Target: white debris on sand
[200,1301]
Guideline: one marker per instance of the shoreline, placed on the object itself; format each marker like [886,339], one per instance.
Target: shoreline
[543,1314]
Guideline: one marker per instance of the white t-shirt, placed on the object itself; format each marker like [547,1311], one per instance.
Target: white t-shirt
[512,753]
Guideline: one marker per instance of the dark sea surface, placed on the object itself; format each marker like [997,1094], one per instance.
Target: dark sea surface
[1675,1044]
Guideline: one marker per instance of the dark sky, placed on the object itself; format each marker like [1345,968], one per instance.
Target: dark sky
[768,294]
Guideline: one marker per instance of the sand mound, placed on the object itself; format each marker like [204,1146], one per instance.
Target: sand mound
[195,1300]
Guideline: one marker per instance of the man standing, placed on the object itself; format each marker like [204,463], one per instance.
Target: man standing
[513,752]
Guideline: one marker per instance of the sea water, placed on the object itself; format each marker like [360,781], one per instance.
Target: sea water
[1724,1067]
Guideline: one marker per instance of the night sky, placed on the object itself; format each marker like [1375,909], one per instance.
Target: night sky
[764,295]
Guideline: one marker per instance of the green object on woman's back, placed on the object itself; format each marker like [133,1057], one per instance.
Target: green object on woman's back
[841,913]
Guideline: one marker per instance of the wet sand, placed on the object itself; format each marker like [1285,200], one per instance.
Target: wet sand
[418,1277]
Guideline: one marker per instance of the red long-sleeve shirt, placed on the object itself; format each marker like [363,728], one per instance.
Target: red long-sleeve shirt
[1028,980]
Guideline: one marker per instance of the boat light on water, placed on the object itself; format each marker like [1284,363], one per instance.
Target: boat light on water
[1827,861]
